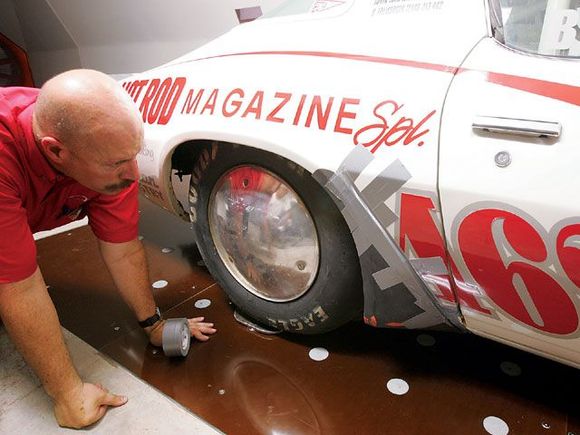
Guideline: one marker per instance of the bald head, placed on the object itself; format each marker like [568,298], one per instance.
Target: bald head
[88,128]
[76,105]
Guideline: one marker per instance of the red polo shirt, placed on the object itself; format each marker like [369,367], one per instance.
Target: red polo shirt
[35,197]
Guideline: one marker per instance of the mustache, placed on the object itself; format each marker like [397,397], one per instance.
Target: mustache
[119,186]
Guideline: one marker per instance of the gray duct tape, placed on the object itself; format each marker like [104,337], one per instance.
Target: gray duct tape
[368,217]
[176,337]
[385,215]
[356,161]
[387,278]
[396,174]
[429,266]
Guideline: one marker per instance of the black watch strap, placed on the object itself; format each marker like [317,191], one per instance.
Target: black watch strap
[151,320]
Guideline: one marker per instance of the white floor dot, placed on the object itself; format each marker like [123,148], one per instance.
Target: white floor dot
[160,284]
[202,303]
[167,250]
[221,392]
[398,386]
[495,426]
[318,354]
[510,368]
[426,340]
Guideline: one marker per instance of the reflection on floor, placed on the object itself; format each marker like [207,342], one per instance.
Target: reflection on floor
[371,381]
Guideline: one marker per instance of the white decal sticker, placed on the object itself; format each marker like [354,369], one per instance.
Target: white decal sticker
[389,7]
[398,386]
[559,32]
[324,5]
[150,187]
[318,354]
[147,154]
[495,426]
[202,303]
[160,284]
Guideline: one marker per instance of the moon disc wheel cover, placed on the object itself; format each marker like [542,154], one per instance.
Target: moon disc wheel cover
[264,233]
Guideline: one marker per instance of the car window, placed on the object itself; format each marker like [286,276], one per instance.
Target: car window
[546,27]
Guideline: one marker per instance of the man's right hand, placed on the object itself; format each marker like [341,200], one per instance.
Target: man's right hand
[85,405]
[32,323]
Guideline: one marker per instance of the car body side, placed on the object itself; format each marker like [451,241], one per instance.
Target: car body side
[355,75]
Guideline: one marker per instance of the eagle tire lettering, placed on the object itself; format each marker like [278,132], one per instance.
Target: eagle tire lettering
[310,320]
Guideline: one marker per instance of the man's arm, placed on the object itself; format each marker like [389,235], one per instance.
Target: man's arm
[32,323]
[128,267]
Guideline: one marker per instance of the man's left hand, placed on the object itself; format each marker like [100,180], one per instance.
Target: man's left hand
[198,328]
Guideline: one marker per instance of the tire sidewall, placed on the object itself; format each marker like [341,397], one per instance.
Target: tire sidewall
[334,297]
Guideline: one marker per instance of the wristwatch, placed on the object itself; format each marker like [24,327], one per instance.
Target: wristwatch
[151,320]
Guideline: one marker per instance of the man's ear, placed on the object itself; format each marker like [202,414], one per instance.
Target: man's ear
[54,150]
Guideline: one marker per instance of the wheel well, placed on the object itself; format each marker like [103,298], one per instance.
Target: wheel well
[183,160]
[185,155]
[336,256]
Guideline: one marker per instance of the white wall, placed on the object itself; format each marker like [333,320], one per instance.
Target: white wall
[116,36]
[50,47]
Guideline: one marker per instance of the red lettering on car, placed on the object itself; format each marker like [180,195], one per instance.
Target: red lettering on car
[342,114]
[236,104]
[389,131]
[255,105]
[568,251]
[285,98]
[149,95]
[421,234]
[192,102]
[210,103]
[321,115]
[524,286]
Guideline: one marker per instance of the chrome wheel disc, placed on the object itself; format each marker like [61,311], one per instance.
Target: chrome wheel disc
[264,233]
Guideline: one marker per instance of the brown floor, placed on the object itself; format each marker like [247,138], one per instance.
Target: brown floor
[246,383]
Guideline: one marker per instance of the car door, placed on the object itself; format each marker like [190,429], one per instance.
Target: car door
[510,179]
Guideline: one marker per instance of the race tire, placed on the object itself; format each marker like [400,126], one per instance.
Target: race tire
[334,297]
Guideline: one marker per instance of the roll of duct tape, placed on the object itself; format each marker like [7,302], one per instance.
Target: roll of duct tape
[176,337]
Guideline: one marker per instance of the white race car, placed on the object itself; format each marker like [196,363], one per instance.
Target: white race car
[413,162]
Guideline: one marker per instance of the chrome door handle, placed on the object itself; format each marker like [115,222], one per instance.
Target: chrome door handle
[519,127]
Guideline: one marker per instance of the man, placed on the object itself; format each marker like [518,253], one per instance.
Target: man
[67,151]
